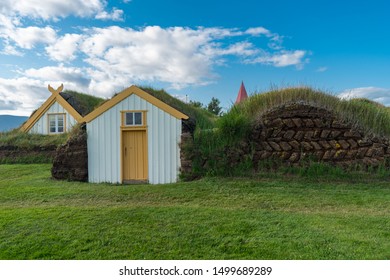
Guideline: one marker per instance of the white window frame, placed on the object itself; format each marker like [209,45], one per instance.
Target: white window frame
[133,118]
[57,120]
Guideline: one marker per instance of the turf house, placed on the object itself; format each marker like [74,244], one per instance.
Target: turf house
[60,112]
[134,137]
[55,116]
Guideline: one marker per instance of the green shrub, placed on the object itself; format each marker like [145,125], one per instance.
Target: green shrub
[234,126]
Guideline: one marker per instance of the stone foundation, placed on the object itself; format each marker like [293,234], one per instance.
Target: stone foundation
[295,132]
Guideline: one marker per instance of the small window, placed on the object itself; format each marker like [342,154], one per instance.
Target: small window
[129,118]
[56,123]
[133,119]
[138,118]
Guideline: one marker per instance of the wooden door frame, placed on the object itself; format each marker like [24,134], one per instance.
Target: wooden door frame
[123,129]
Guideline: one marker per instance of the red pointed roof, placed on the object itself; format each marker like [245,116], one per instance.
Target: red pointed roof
[242,95]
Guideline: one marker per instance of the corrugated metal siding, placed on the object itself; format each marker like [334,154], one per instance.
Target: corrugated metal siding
[104,142]
[41,126]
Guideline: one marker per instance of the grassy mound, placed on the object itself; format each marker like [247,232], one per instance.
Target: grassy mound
[21,147]
[213,149]
[370,116]
[29,141]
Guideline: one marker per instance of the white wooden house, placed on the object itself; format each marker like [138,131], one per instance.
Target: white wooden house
[55,116]
[134,137]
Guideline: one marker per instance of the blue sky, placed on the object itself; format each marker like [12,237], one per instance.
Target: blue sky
[200,49]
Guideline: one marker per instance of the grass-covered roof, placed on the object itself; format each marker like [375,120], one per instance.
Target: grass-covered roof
[81,102]
[370,116]
[203,118]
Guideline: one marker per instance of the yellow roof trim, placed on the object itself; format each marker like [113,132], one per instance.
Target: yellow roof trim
[139,92]
[69,108]
[38,114]
[47,104]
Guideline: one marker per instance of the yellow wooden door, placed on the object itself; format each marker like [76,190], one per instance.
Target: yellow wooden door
[135,155]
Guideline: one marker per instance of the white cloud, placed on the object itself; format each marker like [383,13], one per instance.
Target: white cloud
[22,95]
[98,40]
[322,69]
[74,77]
[287,58]
[179,56]
[16,37]
[243,49]
[380,95]
[281,59]
[7,23]
[64,48]
[23,37]
[182,97]
[6,105]
[276,40]
[52,9]
[111,58]
[257,31]
[11,50]
[7,26]
[88,80]
[29,37]
[116,15]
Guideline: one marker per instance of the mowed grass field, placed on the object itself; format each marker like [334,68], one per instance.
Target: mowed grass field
[276,217]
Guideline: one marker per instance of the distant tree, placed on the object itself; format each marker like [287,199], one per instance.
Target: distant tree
[196,104]
[214,107]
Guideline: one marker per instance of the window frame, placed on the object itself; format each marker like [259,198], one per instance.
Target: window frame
[124,123]
[56,123]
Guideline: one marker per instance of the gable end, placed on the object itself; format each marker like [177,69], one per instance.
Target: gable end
[142,94]
[46,105]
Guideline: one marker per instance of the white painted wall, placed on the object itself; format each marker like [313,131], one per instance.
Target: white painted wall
[163,132]
[41,126]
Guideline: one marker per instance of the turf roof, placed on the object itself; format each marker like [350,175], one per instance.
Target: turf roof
[81,102]
[201,117]
[367,115]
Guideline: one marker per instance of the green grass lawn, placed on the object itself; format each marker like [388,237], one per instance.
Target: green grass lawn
[214,218]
